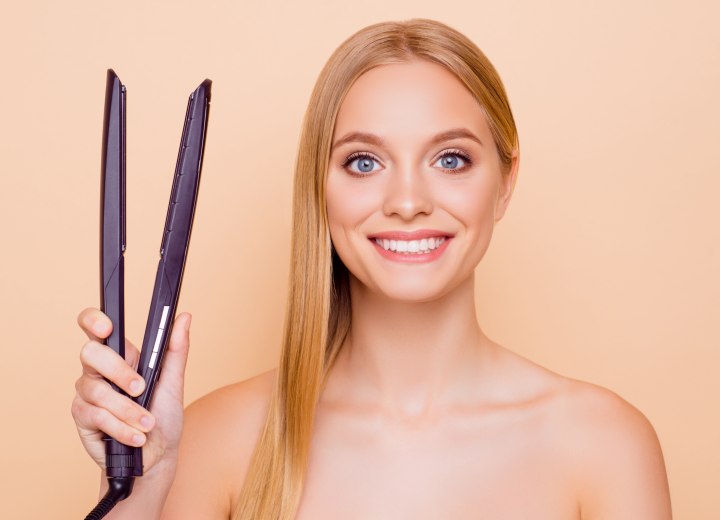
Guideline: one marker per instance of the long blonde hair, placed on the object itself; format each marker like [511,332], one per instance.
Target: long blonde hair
[317,317]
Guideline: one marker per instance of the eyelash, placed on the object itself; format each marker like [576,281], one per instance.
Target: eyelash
[359,155]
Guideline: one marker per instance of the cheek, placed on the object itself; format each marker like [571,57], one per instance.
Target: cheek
[471,203]
[349,201]
[349,204]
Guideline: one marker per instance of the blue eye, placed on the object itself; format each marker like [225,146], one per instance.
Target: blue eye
[449,161]
[365,162]
[453,161]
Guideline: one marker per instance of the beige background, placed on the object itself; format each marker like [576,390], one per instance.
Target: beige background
[604,269]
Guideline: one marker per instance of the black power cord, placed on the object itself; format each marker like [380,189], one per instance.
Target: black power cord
[120,489]
[122,464]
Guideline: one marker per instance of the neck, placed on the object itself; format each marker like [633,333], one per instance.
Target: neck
[411,358]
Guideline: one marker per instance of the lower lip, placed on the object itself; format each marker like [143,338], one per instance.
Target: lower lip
[412,258]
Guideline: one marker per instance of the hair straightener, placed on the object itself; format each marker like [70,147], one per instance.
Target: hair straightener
[123,462]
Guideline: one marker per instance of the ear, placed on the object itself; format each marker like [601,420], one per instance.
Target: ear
[507,185]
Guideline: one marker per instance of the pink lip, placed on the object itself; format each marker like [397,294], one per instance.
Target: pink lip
[410,235]
[411,258]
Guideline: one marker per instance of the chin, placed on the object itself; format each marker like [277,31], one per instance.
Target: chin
[411,290]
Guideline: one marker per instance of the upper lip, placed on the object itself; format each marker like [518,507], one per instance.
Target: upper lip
[410,235]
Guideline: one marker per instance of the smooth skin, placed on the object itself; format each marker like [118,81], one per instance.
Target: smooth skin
[423,416]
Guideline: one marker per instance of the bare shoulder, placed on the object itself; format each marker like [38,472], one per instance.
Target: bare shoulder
[220,431]
[607,446]
[614,452]
[233,404]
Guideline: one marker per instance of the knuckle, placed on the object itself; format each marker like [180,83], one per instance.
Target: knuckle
[128,412]
[100,417]
[86,352]
[83,387]
[97,392]
[76,407]
[118,371]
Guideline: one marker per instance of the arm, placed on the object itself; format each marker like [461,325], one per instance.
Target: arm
[219,437]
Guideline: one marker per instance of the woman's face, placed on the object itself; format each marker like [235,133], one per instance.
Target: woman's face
[414,186]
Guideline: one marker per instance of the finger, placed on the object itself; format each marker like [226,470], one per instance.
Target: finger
[94,323]
[100,361]
[90,419]
[132,354]
[99,393]
[175,359]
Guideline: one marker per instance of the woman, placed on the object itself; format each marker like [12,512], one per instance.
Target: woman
[389,401]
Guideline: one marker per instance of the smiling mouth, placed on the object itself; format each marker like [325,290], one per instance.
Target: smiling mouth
[410,247]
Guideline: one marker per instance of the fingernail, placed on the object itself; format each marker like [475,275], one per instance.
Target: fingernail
[187,323]
[136,386]
[146,421]
[137,439]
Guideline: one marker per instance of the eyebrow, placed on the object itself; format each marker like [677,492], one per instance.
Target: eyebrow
[363,137]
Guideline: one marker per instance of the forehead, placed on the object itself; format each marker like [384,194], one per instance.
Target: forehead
[410,101]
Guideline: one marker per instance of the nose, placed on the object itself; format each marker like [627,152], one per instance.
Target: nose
[407,194]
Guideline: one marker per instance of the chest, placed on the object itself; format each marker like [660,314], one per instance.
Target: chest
[461,468]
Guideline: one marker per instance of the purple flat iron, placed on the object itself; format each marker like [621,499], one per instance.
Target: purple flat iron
[123,462]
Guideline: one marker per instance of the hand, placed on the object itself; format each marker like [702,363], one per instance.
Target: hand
[97,408]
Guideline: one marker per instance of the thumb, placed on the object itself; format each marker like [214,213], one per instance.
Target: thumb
[177,351]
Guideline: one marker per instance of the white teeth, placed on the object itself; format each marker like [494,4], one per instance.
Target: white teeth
[411,246]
